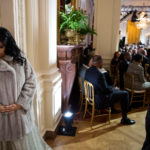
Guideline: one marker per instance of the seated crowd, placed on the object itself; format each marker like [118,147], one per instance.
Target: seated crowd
[106,92]
[124,59]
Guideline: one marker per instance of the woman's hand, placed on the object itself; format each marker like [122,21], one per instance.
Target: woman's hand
[12,108]
[9,109]
[3,109]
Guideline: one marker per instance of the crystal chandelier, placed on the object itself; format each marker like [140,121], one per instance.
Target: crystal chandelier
[142,21]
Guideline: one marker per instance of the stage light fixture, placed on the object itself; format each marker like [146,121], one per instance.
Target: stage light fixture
[67,129]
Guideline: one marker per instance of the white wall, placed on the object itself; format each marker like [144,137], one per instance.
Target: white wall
[107,22]
[144,35]
[6,15]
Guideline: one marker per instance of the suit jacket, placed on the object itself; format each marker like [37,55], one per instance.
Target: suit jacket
[102,90]
[123,66]
[82,75]
[145,61]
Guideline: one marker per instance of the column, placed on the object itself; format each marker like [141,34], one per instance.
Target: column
[41,36]
[107,21]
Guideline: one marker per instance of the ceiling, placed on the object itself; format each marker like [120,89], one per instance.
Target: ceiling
[136,2]
[139,5]
[128,6]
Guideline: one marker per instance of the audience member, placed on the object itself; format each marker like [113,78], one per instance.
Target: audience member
[114,66]
[137,70]
[145,59]
[88,61]
[134,52]
[106,95]
[123,66]
[106,75]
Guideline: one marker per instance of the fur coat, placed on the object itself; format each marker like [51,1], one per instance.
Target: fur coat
[17,86]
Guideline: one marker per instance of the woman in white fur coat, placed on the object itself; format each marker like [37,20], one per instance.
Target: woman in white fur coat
[17,88]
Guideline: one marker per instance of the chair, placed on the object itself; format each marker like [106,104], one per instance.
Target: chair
[82,97]
[129,86]
[146,69]
[89,100]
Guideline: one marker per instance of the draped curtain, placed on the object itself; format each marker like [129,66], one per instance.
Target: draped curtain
[88,6]
[133,33]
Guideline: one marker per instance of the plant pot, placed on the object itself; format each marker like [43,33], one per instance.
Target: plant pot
[82,39]
[70,35]
[63,39]
[76,40]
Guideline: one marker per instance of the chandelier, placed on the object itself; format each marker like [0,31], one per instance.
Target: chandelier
[142,22]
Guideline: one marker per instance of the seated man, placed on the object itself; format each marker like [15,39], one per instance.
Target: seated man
[88,61]
[123,66]
[105,95]
[107,76]
[135,68]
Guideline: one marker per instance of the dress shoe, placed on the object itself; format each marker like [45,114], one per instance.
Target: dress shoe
[127,121]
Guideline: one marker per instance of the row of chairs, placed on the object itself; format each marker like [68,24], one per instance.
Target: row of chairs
[87,98]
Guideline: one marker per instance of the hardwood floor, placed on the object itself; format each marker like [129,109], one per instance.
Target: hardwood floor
[103,136]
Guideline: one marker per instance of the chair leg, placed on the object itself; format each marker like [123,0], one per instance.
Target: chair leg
[109,116]
[92,117]
[131,100]
[144,100]
[85,109]
[81,95]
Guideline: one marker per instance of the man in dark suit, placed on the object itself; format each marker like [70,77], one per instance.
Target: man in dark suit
[123,66]
[146,145]
[88,61]
[106,95]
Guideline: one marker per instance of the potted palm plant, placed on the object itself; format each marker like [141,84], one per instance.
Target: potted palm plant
[74,23]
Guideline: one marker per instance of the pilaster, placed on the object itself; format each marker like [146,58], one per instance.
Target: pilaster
[107,21]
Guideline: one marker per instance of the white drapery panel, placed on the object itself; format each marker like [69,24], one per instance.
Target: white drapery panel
[88,6]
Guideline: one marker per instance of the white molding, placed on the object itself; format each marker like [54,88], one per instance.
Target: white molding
[48,101]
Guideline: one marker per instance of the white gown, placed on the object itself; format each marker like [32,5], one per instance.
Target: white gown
[31,141]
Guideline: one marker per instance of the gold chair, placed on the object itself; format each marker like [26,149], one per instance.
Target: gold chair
[89,100]
[82,97]
[129,86]
[146,73]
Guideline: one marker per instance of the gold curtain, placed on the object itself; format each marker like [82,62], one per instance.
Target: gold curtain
[133,33]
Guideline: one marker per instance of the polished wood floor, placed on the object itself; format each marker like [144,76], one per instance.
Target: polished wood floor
[103,136]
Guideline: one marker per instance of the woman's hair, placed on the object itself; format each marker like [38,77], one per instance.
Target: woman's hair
[115,55]
[11,47]
[138,57]
[87,59]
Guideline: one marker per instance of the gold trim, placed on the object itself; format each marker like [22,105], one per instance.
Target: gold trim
[73,3]
[58,22]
